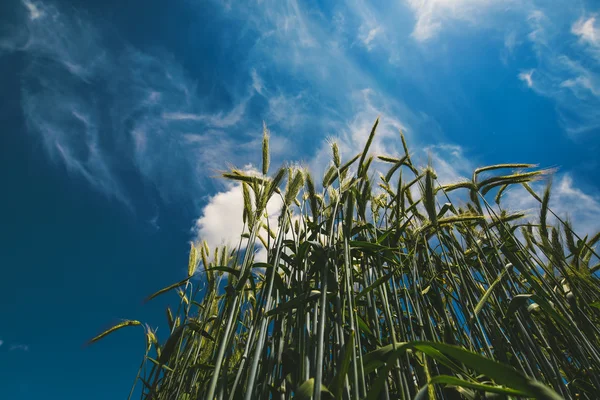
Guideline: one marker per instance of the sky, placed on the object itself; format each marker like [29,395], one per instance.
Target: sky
[117,117]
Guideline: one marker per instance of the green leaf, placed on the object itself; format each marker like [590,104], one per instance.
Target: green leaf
[521,299]
[295,302]
[170,345]
[454,381]
[375,284]
[500,373]
[306,390]
[340,378]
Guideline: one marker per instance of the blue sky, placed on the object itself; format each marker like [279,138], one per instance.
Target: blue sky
[116,116]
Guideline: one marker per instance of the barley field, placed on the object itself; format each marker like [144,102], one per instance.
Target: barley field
[381,283]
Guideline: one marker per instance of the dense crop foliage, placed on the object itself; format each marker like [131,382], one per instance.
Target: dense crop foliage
[377,286]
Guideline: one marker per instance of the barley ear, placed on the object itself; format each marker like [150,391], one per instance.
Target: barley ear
[544,212]
[193,260]
[115,328]
[293,188]
[336,155]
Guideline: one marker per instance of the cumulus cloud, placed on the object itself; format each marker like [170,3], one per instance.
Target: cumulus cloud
[221,221]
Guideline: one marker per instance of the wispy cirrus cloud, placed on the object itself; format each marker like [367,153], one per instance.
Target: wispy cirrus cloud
[432,15]
[527,77]
[567,51]
[588,30]
[101,110]
[19,347]
[567,201]
[563,36]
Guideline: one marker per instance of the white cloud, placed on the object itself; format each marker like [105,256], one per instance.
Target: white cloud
[567,201]
[34,11]
[432,15]
[369,37]
[587,31]
[564,72]
[582,82]
[450,163]
[510,41]
[352,134]
[219,120]
[87,103]
[287,110]
[221,221]
[257,82]
[151,110]
[19,347]
[525,76]
[537,21]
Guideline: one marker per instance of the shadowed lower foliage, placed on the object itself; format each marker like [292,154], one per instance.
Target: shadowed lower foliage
[377,286]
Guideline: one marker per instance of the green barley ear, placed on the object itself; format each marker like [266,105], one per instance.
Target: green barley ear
[310,186]
[224,256]
[265,150]
[404,146]
[115,328]
[544,212]
[528,239]
[273,186]
[429,195]
[293,188]
[459,185]
[204,254]
[499,194]
[248,214]
[240,176]
[336,154]
[349,213]
[216,256]
[170,320]
[531,191]
[269,231]
[570,239]
[329,176]
[366,166]
[193,260]
[500,166]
